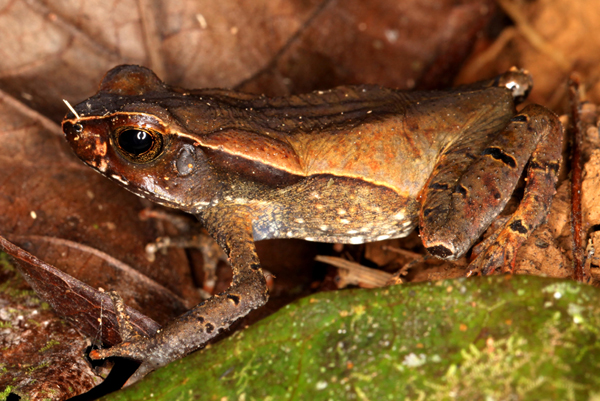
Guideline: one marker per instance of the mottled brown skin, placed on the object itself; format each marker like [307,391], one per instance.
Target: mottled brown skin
[350,165]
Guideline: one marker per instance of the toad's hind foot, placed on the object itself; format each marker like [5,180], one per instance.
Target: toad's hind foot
[533,138]
[542,174]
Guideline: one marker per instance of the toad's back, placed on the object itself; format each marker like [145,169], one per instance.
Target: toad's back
[374,134]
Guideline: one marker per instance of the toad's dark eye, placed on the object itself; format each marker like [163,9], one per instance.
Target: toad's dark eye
[139,145]
[135,141]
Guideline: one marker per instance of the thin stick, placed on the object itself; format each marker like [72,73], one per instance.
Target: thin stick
[576,224]
[72,109]
[356,273]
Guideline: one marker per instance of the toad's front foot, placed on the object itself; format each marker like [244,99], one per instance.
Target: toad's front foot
[190,331]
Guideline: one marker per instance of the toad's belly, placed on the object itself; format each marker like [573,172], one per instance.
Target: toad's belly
[336,209]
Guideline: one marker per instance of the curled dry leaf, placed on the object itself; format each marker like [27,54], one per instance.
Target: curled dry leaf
[88,309]
[42,357]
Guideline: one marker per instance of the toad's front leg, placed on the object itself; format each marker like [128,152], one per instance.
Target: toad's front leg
[232,228]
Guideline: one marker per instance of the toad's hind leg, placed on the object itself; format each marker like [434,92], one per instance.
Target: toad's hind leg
[480,194]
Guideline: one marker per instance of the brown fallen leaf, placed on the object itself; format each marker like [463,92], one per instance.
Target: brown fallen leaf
[88,309]
[551,39]
[409,44]
[42,357]
[274,47]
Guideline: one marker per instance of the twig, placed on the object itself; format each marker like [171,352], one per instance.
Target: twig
[403,252]
[354,273]
[576,224]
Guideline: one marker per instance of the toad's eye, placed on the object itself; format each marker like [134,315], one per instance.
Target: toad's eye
[139,145]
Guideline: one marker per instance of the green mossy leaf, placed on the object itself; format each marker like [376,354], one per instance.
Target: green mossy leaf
[493,338]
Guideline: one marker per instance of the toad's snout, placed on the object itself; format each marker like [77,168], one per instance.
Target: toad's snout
[88,144]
